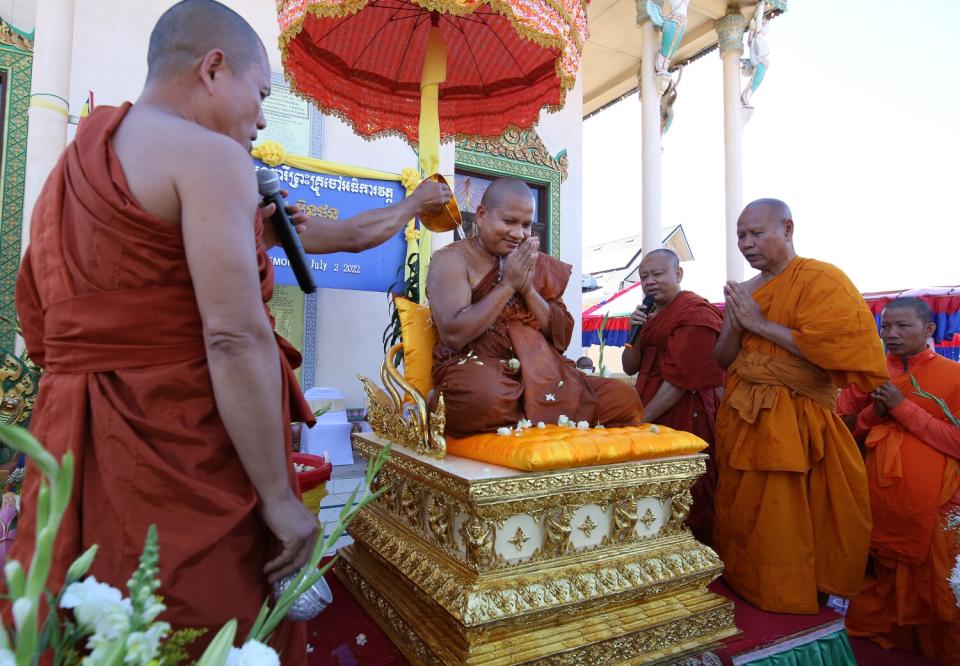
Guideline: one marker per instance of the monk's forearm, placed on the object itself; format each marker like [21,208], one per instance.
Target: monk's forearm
[934,432]
[666,397]
[728,345]
[357,233]
[630,359]
[779,335]
[472,321]
[245,373]
[539,308]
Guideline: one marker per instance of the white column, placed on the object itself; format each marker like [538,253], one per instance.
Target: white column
[652,233]
[730,32]
[50,89]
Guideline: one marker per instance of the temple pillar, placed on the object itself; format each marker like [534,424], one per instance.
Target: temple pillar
[652,227]
[730,32]
[50,90]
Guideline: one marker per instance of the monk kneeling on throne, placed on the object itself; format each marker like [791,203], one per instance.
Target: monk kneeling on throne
[502,328]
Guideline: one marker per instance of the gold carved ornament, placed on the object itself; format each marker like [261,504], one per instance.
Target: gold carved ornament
[400,414]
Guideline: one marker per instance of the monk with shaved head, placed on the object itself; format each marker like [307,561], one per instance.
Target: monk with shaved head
[913,469]
[677,377]
[497,303]
[143,296]
[792,506]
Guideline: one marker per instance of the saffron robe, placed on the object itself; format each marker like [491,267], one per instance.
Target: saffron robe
[792,505]
[677,347]
[108,311]
[482,392]
[913,467]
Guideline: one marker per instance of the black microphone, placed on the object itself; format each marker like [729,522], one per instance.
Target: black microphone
[646,306]
[269,185]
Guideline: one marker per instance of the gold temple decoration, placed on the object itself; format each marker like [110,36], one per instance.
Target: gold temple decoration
[523,145]
[399,413]
[519,539]
[588,526]
[11,37]
[648,518]
[432,565]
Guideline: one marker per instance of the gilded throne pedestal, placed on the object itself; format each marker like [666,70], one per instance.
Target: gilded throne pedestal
[464,562]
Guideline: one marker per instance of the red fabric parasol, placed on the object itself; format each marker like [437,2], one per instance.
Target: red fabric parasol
[362,60]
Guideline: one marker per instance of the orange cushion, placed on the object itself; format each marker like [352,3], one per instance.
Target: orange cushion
[554,447]
[419,338]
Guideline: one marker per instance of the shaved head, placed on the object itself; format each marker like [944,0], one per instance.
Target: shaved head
[772,209]
[502,188]
[190,29]
[919,307]
[667,254]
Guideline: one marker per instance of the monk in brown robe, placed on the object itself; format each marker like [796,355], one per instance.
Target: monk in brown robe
[143,297]
[792,506]
[913,467]
[677,377]
[502,328]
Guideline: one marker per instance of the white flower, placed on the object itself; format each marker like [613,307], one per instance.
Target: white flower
[253,653]
[550,397]
[98,606]
[954,580]
[514,364]
[599,426]
[11,569]
[309,649]
[7,658]
[655,429]
[583,425]
[361,639]
[563,421]
[560,385]
[541,425]
[142,646]
[504,432]
[21,608]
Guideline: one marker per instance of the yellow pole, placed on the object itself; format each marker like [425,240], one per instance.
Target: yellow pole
[434,73]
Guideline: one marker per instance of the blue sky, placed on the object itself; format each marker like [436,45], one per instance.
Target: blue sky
[855,127]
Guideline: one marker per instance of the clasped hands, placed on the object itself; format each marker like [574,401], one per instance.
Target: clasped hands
[518,266]
[886,397]
[744,312]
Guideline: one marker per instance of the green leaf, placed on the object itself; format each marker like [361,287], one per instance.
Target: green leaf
[216,653]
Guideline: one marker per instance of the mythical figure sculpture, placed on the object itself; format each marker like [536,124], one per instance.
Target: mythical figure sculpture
[624,524]
[679,509]
[478,540]
[556,531]
[672,27]
[755,66]
[410,504]
[667,100]
[438,520]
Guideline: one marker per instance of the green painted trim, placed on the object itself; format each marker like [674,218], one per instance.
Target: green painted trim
[495,165]
[17,65]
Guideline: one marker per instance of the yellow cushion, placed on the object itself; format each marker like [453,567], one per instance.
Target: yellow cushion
[419,337]
[554,447]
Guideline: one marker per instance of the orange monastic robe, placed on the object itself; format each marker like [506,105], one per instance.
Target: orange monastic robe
[108,310]
[913,467]
[792,506]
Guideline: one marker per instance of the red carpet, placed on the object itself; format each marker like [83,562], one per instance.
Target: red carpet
[333,636]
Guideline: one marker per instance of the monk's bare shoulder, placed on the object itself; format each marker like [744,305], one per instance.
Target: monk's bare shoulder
[447,264]
[161,153]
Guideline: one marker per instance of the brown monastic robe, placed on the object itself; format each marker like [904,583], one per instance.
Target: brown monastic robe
[108,310]
[483,393]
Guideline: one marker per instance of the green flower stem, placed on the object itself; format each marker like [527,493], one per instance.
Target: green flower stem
[940,402]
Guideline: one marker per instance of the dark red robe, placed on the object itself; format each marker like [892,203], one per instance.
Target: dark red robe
[677,347]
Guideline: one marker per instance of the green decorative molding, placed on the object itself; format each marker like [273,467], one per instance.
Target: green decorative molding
[16,63]
[544,176]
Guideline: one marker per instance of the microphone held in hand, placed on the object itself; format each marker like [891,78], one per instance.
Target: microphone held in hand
[646,306]
[269,185]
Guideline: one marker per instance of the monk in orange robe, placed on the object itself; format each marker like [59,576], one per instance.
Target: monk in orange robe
[142,295]
[913,468]
[792,506]
[502,328]
[677,377]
